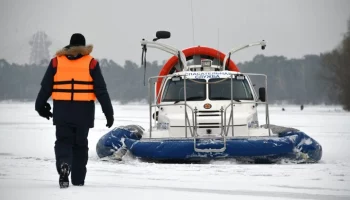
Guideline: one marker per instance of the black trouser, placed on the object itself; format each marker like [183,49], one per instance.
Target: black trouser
[71,147]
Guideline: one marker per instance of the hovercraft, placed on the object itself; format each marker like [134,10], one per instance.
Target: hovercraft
[202,108]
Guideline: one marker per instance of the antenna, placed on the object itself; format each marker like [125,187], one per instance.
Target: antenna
[192,24]
[218,54]
[40,48]
[218,38]
[193,38]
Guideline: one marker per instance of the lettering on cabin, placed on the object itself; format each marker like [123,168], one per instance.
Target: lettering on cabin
[203,75]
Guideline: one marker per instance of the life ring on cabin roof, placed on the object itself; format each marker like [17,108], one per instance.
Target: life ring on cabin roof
[189,52]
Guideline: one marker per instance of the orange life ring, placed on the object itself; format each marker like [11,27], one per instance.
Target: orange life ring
[206,51]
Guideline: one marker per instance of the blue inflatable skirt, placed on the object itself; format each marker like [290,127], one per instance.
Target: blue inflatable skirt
[290,144]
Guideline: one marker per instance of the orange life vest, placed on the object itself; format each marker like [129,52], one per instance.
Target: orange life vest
[72,81]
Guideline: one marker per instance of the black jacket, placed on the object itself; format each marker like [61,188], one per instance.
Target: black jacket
[73,112]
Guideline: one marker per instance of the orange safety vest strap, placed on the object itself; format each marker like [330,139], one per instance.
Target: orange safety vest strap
[75,97]
[54,62]
[72,91]
[93,64]
[75,82]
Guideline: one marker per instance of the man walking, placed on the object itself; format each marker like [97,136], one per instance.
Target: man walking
[74,80]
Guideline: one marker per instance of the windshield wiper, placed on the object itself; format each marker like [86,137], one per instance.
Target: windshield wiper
[190,98]
[224,98]
[195,98]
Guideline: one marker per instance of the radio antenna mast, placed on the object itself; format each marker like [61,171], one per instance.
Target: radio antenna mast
[192,24]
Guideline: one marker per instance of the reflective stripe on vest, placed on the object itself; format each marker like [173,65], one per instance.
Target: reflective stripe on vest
[72,81]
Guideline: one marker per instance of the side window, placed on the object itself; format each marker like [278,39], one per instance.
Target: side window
[172,90]
[248,92]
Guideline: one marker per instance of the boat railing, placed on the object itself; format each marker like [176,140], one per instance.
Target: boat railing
[156,105]
[223,111]
[231,117]
[225,128]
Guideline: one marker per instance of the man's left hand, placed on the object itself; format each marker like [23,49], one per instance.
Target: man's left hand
[45,111]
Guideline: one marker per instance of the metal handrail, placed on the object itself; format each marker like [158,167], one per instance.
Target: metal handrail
[231,115]
[209,150]
[186,116]
[193,128]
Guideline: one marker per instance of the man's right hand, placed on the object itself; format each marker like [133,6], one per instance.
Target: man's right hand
[110,120]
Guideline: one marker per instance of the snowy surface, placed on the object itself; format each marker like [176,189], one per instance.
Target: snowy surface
[27,162]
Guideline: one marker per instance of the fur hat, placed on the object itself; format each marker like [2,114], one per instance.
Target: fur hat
[77,39]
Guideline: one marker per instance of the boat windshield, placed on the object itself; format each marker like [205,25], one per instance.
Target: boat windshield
[220,89]
[195,90]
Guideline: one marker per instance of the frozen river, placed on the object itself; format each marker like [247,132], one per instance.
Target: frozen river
[27,162]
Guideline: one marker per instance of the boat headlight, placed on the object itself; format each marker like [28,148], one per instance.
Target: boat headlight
[253,124]
[162,126]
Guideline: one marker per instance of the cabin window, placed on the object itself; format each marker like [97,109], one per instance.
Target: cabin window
[195,90]
[220,89]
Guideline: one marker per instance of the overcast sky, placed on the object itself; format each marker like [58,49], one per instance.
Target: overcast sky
[291,28]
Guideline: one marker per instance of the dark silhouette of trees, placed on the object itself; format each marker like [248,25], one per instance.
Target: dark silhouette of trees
[336,66]
[296,81]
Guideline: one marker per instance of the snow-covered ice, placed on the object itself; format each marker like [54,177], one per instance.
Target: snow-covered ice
[27,162]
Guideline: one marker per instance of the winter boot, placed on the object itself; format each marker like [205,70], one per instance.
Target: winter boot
[64,175]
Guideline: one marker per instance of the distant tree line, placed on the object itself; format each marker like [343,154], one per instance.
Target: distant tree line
[297,81]
[336,66]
